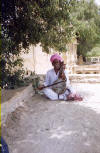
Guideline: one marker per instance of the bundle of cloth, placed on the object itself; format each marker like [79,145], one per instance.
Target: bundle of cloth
[4,146]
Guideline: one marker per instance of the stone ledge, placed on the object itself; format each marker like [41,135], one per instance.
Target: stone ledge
[16,101]
[80,78]
[85,78]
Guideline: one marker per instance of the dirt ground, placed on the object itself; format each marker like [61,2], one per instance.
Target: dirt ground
[44,126]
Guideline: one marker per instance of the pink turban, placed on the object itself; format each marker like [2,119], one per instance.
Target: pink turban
[55,56]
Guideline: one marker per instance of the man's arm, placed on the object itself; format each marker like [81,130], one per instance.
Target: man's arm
[46,82]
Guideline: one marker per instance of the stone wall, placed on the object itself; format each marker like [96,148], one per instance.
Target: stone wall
[87,69]
[70,57]
[39,62]
[36,60]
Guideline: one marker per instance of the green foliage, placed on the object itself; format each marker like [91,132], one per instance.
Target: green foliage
[86,20]
[34,21]
[94,52]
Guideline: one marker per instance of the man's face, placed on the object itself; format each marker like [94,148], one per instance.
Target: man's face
[56,64]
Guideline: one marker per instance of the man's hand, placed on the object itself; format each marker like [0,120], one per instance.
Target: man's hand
[41,87]
[63,76]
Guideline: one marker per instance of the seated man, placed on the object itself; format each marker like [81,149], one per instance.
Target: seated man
[52,77]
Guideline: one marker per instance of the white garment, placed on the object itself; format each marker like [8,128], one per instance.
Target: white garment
[51,77]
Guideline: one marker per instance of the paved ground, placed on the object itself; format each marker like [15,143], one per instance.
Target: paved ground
[44,126]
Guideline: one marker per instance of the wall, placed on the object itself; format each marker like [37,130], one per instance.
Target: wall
[39,61]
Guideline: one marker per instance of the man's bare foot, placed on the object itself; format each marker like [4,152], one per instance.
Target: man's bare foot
[70,97]
[78,97]
[73,97]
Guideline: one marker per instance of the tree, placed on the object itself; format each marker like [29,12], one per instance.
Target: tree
[30,22]
[26,22]
[86,20]
[52,23]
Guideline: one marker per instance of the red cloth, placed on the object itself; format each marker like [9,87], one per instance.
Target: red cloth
[55,56]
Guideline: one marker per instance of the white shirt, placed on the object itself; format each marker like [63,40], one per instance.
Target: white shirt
[51,77]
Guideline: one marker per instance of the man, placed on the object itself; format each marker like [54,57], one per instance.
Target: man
[53,75]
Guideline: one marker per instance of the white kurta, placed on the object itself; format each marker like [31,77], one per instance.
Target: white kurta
[51,77]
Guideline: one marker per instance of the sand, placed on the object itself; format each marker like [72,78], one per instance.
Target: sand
[44,126]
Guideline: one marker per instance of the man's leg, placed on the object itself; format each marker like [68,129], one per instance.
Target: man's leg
[50,94]
[68,95]
[74,96]
[64,95]
[54,96]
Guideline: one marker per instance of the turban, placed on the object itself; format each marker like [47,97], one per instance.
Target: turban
[55,56]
